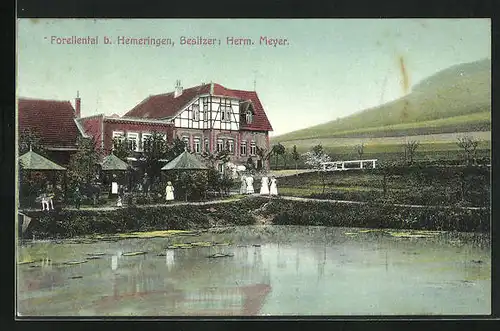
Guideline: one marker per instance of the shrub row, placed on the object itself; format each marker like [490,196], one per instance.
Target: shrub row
[70,223]
[286,212]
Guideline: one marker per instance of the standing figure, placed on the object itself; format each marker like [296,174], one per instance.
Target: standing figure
[119,202]
[114,186]
[145,182]
[51,195]
[264,187]
[274,187]
[249,181]
[169,192]
[243,187]
[77,197]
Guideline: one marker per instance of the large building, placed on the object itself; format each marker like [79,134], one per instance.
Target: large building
[208,117]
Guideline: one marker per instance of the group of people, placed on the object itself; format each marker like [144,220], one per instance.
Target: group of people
[267,187]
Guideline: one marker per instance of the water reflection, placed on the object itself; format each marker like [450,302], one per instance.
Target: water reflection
[169,258]
[334,276]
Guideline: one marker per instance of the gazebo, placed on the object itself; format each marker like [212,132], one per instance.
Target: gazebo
[185,162]
[31,161]
[36,162]
[113,163]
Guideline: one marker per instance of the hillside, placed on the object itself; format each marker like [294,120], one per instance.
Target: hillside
[455,99]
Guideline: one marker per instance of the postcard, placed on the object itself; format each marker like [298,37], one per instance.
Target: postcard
[251,167]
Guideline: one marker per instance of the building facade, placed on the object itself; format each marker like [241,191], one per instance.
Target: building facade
[208,118]
[211,117]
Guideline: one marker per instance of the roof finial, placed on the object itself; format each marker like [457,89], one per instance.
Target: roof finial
[31,148]
[77,93]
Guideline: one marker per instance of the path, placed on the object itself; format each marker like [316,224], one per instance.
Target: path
[289,198]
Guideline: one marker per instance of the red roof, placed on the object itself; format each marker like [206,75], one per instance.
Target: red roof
[166,105]
[52,121]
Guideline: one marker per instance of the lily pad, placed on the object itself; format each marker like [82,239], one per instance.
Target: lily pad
[26,262]
[217,255]
[76,277]
[222,244]
[76,262]
[202,243]
[133,253]
[256,245]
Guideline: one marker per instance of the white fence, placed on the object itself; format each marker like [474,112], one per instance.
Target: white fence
[353,164]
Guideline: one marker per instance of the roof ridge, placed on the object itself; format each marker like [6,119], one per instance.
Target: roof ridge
[38,99]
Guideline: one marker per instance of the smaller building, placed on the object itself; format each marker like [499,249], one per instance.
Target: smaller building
[53,123]
[105,129]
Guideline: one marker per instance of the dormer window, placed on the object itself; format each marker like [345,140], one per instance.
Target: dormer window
[249,117]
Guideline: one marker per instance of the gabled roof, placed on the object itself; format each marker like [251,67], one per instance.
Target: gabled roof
[166,105]
[113,162]
[185,161]
[51,120]
[34,161]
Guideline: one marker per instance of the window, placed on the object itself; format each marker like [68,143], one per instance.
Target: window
[220,145]
[117,137]
[225,113]
[230,146]
[249,117]
[253,149]
[205,110]
[197,145]
[207,146]
[133,141]
[243,148]
[185,139]
[145,140]
[196,112]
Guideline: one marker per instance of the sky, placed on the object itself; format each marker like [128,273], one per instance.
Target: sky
[326,69]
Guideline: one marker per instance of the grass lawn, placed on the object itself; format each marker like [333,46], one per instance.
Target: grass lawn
[470,122]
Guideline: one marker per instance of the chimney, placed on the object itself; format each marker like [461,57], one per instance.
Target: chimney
[77,105]
[178,89]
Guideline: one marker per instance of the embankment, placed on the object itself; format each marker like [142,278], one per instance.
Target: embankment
[250,211]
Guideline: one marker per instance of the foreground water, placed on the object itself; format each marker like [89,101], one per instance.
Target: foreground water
[269,270]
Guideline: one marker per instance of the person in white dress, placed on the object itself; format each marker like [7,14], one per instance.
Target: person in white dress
[274,187]
[249,181]
[169,192]
[264,186]
[243,187]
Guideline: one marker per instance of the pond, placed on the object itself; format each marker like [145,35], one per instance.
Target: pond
[263,270]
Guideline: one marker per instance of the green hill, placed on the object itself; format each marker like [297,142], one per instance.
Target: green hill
[456,99]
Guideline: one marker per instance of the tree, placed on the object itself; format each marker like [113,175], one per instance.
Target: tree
[83,165]
[123,147]
[176,148]
[318,150]
[315,159]
[278,150]
[212,159]
[360,149]
[410,149]
[27,140]
[155,149]
[263,153]
[295,155]
[469,145]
